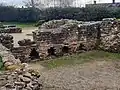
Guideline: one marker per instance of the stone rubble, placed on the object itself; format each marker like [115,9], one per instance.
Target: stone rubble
[19,76]
[57,23]
[25,42]
[7,40]
[16,30]
[7,57]
[20,79]
[9,29]
[110,36]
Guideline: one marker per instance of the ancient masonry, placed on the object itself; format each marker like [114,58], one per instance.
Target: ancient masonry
[63,37]
[18,76]
[9,29]
[6,40]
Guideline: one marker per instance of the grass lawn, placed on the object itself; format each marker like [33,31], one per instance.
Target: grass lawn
[80,58]
[21,25]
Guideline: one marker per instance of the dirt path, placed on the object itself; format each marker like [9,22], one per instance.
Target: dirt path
[100,75]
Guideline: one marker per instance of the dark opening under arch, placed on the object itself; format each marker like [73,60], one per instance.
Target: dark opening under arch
[81,47]
[65,49]
[34,54]
[51,51]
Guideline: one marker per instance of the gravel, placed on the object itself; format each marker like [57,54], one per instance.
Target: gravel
[96,75]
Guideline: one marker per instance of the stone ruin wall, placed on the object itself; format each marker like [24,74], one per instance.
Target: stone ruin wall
[23,51]
[73,36]
[11,30]
[17,75]
[56,40]
[7,40]
[6,29]
[110,36]
[89,36]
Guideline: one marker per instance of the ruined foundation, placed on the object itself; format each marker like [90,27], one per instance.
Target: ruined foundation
[9,29]
[64,37]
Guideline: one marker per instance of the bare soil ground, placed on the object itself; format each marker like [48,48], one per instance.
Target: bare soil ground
[38,67]
[96,75]
[21,36]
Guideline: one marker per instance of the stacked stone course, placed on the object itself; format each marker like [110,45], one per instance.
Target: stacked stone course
[74,35]
[23,51]
[11,30]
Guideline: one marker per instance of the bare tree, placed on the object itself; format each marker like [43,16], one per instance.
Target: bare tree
[31,3]
[48,3]
[65,3]
[3,4]
[37,3]
[27,3]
